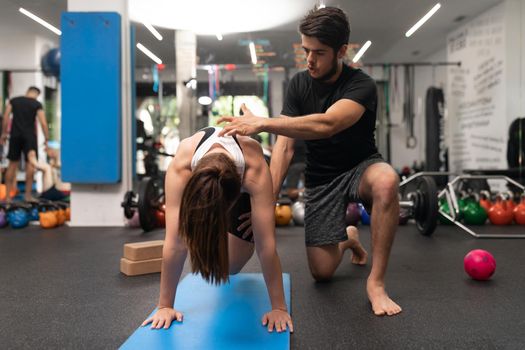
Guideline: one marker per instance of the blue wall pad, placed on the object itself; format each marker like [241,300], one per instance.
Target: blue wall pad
[217,317]
[91,97]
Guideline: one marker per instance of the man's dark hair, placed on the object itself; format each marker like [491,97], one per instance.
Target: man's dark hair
[329,25]
[34,88]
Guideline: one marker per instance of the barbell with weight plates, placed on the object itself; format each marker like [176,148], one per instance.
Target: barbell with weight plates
[423,204]
[150,200]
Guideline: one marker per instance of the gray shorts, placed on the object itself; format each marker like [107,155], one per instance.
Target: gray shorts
[325,205]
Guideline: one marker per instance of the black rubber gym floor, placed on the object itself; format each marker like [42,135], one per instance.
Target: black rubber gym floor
[62,289]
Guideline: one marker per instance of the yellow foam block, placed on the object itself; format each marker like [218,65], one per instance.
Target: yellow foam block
[143,250]
[135,268]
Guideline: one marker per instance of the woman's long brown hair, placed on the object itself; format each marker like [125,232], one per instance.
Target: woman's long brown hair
[207,200]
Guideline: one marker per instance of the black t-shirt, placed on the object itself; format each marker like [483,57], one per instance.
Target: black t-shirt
[24,115]
[330,157]
[299,151]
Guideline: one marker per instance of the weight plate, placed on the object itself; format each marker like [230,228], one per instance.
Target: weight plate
[149,193]
[128,204]
[426,205]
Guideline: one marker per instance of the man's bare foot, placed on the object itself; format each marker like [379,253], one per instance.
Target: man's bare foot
[359,254]
[381,304]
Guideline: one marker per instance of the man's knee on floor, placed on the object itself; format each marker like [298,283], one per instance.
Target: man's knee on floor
[321,274]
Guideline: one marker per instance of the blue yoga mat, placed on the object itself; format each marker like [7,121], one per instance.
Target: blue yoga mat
[217,317]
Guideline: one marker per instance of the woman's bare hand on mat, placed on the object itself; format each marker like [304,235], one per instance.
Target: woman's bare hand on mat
[163,318]
[279,319]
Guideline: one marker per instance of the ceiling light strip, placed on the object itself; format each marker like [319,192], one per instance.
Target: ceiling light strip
[40,21]
[153,31]
[423,20]
[149,53]
[252,52]
[362,51]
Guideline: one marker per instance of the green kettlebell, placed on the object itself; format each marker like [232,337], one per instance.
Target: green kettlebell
[474,214]
[462,204]
[444,208]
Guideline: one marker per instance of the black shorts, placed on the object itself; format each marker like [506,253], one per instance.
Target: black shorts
[241,207]
[19,144]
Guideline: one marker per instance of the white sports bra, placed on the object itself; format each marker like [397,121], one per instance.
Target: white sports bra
[230,143]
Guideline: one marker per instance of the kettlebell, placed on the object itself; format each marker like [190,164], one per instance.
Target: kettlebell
[519,211]
[499,213]
[485,200]
[161,218]
[48,219]
[61,216]
[353,214]
[298,213]
[509,198]
[474,214]
[445,208]
[18,217]
[365,217]
[3,218]
[283,214]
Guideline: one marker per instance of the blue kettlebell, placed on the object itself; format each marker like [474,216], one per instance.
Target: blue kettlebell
[33,214]
[3,218]
[365,217]
[18,218]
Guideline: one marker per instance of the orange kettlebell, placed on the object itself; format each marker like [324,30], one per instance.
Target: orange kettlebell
[519,211]
[510,201]
[48,219]
[283,214]
[161,218]
[68,213]
[499,214]
[485,200]
[61,216]
[3,190]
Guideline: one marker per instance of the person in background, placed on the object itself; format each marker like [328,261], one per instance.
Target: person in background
[25,110]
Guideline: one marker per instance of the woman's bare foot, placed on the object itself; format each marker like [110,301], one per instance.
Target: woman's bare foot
[359,254]
[29,198]
[381,304]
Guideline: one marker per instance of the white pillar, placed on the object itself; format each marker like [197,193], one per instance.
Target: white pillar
[99,205]
[186,56]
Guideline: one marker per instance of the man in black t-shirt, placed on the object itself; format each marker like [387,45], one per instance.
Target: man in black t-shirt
[23,136]
[333,107]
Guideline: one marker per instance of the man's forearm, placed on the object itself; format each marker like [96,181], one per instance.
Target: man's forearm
[310,127]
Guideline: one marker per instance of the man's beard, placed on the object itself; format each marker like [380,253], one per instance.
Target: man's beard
[330,73]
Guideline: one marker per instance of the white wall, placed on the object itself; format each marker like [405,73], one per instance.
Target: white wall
[491,86]
[515,58]
[514,24]
[23,51]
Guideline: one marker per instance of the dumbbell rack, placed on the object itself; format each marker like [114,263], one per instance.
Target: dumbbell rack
[449,193]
